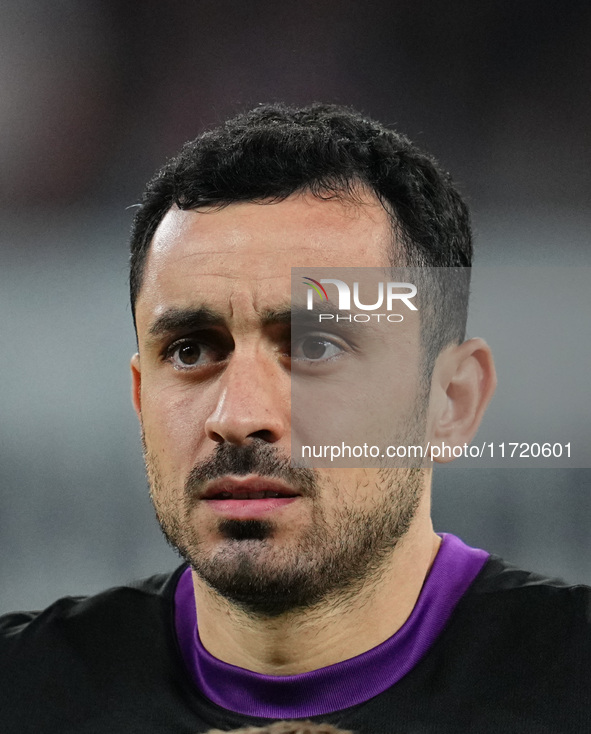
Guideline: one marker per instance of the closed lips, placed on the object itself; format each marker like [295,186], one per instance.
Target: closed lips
[231,489]
[255,495]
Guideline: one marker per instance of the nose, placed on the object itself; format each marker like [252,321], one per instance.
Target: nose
[253,402]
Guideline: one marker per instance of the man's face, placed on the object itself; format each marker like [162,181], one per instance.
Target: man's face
[212,387]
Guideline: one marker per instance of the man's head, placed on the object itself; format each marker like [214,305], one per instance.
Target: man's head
[213,246]
[274,151]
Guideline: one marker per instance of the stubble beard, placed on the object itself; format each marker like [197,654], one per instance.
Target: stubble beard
[328,563]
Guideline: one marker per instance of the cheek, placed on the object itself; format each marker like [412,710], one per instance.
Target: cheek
[345,487]
[354,489]
[173,421]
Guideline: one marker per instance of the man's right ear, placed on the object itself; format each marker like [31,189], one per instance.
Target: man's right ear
[136,384]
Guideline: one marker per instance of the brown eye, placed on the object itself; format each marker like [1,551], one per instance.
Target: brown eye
[189,354]
[316,349]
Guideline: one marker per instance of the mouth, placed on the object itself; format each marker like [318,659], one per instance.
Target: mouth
[249,497]
[253,488]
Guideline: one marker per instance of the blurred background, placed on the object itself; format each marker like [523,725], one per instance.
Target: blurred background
[94,96]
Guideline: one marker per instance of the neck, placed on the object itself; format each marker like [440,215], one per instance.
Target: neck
[337,630]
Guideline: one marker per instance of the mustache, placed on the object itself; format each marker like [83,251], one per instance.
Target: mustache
[258,458]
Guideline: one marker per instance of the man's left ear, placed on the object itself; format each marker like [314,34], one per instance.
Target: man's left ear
[463,382]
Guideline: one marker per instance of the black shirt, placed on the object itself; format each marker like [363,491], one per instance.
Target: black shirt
[515,656]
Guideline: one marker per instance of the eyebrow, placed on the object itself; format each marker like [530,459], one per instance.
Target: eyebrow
[296,315]
[194,319]
[302,319]
[178,319]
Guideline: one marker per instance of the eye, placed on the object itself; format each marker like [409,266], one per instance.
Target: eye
[189,354]
[315,348]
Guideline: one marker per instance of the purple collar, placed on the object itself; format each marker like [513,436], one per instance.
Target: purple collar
[343,684]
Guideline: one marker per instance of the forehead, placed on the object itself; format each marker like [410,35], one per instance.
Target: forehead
[241,256]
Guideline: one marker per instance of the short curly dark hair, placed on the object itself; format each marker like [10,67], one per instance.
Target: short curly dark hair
[268,153]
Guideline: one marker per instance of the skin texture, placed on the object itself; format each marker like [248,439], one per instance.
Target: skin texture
[338,570]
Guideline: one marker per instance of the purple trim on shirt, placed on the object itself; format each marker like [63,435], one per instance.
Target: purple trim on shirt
[343,684]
